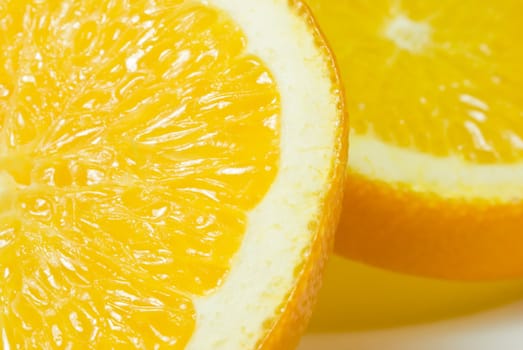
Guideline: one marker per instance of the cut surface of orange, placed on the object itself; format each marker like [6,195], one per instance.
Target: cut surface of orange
[435,90]
[170,173]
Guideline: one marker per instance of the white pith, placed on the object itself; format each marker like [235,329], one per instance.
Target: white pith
[263,271]
[449,177]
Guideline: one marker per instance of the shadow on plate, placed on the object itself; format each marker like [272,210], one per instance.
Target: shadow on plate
[356,297]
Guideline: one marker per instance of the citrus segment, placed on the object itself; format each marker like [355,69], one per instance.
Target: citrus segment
[131,120]
[135,140]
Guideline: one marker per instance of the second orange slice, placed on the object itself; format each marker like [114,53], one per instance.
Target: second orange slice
[435,89]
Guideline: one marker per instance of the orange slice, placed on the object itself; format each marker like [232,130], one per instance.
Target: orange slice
[170,173]
[435,92]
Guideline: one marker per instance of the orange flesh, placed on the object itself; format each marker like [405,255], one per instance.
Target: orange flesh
[135,136]
[441,77]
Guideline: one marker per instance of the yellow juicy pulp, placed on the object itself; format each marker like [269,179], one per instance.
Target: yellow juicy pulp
[135,137]
[442,77]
